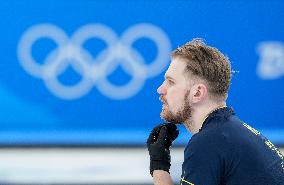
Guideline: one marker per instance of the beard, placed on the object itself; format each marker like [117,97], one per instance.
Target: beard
[181,115]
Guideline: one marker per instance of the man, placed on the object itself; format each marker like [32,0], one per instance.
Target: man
[223,150]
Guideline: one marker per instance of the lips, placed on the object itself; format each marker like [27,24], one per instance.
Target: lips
[163,100]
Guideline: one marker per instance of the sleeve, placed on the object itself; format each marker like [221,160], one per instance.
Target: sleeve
[204,161]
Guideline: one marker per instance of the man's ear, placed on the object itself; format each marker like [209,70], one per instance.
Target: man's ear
[199,92]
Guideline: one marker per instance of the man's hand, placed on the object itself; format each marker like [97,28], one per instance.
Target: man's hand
[158,143]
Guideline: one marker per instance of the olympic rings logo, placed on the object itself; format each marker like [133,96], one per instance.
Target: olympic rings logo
[94,70]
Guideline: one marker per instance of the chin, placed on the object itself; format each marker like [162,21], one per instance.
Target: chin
[163,115]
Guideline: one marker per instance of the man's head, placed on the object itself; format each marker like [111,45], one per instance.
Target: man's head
[197,74]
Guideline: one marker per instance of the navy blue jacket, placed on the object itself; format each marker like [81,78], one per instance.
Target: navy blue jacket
[227,151]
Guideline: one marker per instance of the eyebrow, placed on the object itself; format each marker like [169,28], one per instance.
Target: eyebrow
[168,77]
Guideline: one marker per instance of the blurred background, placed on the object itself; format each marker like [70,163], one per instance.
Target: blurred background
[78,81]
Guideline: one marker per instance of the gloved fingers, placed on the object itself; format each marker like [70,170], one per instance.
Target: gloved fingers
[171,134]
[171,126]
[157,128]
[151,139]
[172,130]
[162,136]
[154,134]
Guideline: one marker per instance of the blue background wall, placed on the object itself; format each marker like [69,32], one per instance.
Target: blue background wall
[250,33]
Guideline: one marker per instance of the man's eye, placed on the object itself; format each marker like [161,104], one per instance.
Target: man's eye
[171,82]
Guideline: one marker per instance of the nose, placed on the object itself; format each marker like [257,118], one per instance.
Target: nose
[162,90]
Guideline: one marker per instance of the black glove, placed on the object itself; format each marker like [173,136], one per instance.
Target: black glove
[158,143]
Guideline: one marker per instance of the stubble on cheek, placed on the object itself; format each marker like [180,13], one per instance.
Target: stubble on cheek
[178,116]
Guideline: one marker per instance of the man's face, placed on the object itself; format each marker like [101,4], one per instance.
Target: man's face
[174,93]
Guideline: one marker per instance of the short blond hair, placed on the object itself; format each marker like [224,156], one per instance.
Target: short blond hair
[207,63]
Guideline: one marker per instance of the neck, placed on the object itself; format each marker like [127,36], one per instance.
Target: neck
[199,114]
